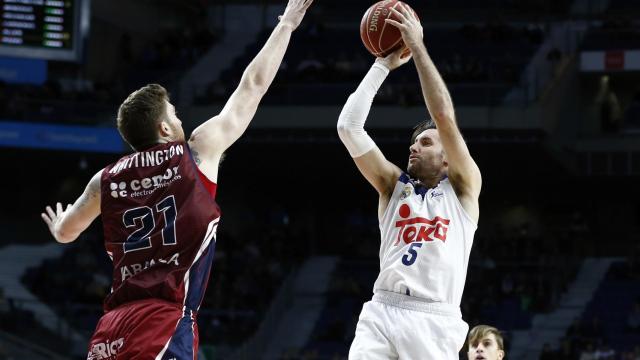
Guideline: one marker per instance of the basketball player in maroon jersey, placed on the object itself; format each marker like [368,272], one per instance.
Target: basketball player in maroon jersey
[159,211]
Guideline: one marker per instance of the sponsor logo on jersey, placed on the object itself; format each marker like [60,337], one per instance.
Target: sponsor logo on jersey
[130,270]
[416,229]
[105,350]
[436,194]
[146,186]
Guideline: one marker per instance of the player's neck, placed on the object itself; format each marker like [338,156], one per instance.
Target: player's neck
[432,180]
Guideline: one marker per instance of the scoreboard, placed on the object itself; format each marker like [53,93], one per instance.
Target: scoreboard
[44,29]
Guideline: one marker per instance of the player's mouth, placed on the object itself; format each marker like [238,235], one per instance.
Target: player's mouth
[480,357]
[413,157]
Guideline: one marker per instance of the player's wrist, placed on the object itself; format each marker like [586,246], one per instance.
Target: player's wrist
[287,24]
[417,48]
[381,64]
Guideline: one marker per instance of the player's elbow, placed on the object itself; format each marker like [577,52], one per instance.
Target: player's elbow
[64,237]
[65,234]
[346,132]
[254,83]
[346,123]
[342,128]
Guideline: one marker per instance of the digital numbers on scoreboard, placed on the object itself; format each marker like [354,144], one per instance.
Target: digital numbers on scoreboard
[45,24]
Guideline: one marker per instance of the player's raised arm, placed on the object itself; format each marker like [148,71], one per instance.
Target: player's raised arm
[381,173]
[67,224]
[213,137]
[462,169]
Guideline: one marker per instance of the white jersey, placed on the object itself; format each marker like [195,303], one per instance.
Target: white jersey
[426,242]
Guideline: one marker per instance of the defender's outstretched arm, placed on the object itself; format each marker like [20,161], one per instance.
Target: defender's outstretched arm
[213,137]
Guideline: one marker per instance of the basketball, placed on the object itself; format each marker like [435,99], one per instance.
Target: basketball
[380,38]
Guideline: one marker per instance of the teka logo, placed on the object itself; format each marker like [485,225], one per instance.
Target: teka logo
[105,350]
[420,229]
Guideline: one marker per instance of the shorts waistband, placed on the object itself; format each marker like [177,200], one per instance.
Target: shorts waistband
[144,302]
[416,303]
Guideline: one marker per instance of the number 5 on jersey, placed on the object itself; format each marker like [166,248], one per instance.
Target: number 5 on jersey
[143,220]
[410,258]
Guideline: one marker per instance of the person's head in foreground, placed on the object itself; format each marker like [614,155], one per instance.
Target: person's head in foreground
[485,343]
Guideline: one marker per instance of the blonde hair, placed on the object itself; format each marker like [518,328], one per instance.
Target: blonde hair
[480,332]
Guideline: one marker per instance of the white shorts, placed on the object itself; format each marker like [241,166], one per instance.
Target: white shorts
[396,326]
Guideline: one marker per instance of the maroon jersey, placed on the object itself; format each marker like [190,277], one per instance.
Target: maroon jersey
[160,220]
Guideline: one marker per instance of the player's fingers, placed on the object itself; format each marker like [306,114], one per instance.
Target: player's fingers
[68,207]
[406,12]
[414,16]
[307,3]
[394,23]
[52,215]
[400,16]
[406,55]
[46,219]
[58,208]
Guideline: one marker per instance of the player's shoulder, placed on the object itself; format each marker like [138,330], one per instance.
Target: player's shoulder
[96,179]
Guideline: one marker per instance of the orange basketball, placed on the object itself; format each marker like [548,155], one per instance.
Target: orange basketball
[380,38]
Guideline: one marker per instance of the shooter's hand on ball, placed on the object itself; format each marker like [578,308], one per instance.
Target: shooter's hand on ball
[409,26]
[395,59]
[294,12]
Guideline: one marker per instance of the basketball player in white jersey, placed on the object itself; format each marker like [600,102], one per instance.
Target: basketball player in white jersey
[427,214]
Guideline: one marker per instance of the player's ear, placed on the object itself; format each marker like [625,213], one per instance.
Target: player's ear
[164,129]
[500,354]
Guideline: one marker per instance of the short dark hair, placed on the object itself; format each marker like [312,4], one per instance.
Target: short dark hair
[139,113]
[422,126]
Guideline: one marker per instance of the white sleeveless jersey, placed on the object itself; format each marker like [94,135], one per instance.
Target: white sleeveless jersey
[426,242]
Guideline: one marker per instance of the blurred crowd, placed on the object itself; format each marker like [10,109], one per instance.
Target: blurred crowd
[482,57]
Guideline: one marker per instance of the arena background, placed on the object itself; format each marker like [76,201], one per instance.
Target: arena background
[547,96]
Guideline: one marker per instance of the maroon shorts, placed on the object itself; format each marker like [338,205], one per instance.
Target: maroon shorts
[145,330]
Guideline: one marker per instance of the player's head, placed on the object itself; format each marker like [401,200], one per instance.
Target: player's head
[485,343]
[147,117]
[426,154]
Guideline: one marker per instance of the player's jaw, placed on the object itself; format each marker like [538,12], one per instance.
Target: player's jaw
[425,164]
[414,165]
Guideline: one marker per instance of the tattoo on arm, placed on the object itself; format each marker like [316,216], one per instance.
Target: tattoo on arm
[196,157]
[93,191]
